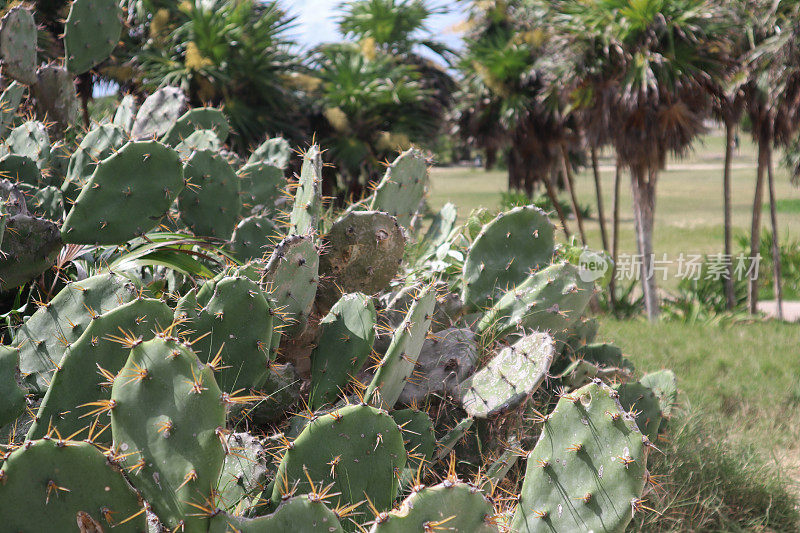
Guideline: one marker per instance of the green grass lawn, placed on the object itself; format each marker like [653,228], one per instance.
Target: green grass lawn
[733,459]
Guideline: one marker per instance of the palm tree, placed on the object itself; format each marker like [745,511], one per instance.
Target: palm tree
[773,92]
[645,69]
[229,53]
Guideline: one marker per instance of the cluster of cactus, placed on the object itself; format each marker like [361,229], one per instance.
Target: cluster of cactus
[331,369]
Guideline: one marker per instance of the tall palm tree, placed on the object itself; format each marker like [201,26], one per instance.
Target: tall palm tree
[645,70]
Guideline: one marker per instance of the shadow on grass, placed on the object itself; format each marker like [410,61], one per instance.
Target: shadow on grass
[710,484]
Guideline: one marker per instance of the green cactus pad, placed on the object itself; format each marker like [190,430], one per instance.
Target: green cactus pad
[31,140]
[199,118]
[262,186]
[48,485]
[18,45]
[549,300]
[125,113]
[126,196]
[345,341]
[307,206]
[291,276]
[237,324]
[244,473]
[91,33]
[98,144]
[158,113]
[165,400]
[588,468]
[397,365]
[440,229]
[402,188]
[420,442]
[197,141]
[505,252]
[665,386]
[20,169]
[29,247]
[210,203]
[446,444]
[45,336]
[9,103]
[275,152]
[79,381]
[359,449]
[301,514]
[55,96]
[13,403]
[641,402]
[509,377]
[253,237]
[448,506]
[364,251]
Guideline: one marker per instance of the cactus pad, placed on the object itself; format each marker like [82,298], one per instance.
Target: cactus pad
[505,252]
[49,484]
[165,400]
[159,112]
[509,377]
[300,514]
[91,33]
[9,103]
[275,152]
[588,469]
[199,118]
[253,236]
[345,342]
[31,140]
[364,251]
[307,207]
[210,203]
[98,144]
[18,45]
[55,95]
[362,457]
[126,196]
[262,186]
[402,188]
[13,403]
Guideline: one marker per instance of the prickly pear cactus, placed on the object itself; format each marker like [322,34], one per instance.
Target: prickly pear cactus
[549,300]
[125,113]
[126,196]
[18,45]
[640,401]
[30,246]
[55,95]
[419,438]
[254,237]
[158,113]
[509,377]
[275,152]
[198,141]
[199,118]
[99,143]
[45,336]
[47,202]
[397,365]
[9,103]
[299,514]
[262,186]
[48,485]
[505,252]
[449,506]
[587,471]
[244,473]
[235,333]
[402,188]
[362,457]
[364,249]
[665,386]
[210,203]
[345,342]
[449,440]
[86,371]
[164,400]
[91,33]
[291,277]
[13,395]
[307,207]
[31,140]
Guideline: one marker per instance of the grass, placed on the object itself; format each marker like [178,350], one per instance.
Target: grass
[732,461]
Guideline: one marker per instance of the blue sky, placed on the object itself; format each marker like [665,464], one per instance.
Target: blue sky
[316,22]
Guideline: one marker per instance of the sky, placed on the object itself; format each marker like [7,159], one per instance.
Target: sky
[316,22]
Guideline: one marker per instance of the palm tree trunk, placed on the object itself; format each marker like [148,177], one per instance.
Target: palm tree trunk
[551,193]
[571,190]
[612,286]
[777,281]
[730,299]
[755,225]
[643,186]
[601,217]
